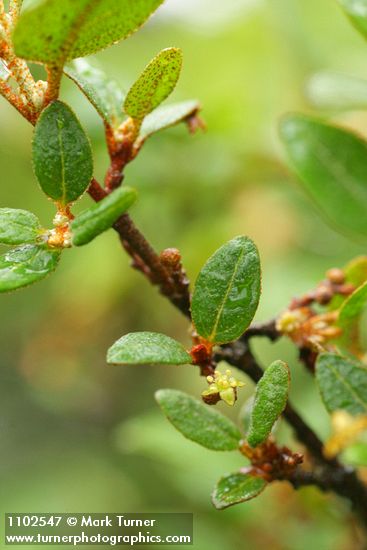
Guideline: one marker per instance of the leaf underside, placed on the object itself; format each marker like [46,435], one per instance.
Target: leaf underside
[270,401]
[101,216]
[155,84]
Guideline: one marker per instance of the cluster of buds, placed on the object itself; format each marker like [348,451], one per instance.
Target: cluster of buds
[346,430]
[334,284]
[60,236]
[270,461]
[221,387]
[308,330]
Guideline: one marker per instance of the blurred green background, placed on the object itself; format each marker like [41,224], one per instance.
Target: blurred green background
[78,435]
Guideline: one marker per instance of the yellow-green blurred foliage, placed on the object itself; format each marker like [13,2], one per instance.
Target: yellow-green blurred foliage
[78,435]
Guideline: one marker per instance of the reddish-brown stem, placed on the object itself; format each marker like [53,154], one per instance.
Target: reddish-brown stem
[54,75]
[145,258]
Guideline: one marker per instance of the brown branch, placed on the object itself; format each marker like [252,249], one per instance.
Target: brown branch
[333,475]
[145,258]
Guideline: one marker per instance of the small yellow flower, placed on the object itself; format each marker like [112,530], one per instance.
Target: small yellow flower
[346,430]
[222,387]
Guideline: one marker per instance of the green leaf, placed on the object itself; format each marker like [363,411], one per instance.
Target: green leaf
[101,216]
[227,291]
[270,401]
[342,383]
[26,265]
[104,94]
[53,32]
[198,422]
[236,488]
[155,84]
[147,348]
[18,226]
[356,274]
[349,320]
[356,271]
[356,454]
[332,164]
[62,154]
[328,90]
[356,10]
[167,116]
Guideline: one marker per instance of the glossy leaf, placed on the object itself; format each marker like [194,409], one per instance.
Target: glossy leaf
[198,422]
[155,84]
[349,319]
[227,291]
[342,383]
[104,94]
[147,348]
[328,90]
[55,31]
[62,154]
[332,164]
[101,216]
[18,226]
[236,488]
[356,10]
[270,401]
[26,265]
[167,116]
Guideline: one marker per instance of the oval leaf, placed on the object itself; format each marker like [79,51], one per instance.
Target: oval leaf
[62,154]
[101,216]
[336,91]
[332,164]
[227,292]
[349,320]
[270,400]
[356,10]
[167,116]
[236,488]
[147,348]
[26,265]
[18,226]
[155,84]
[53,31]
[104,94]
[342,384]
[198,422]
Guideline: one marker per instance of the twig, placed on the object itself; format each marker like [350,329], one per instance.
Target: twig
[333,475]
[145,258]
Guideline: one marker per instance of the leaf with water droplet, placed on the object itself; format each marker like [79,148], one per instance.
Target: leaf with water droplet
[18,226]
[62,154]
[237,488]
[26,265]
